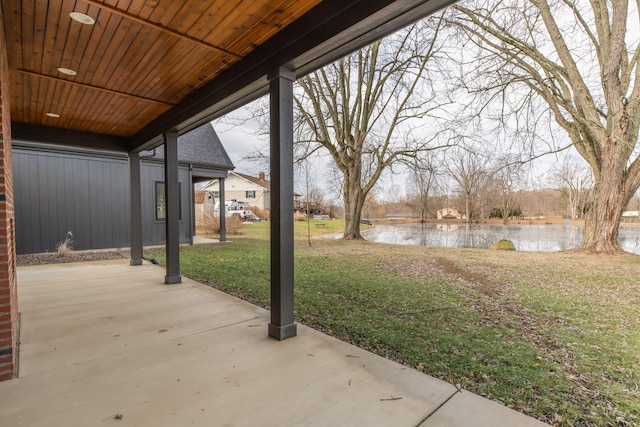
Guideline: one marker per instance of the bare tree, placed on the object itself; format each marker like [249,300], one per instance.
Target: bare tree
[573,178]
[507,175]
[363,109]
[469,171]
[423,178]
[310,191]
[580,59]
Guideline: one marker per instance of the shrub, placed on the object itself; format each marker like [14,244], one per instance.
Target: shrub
[65,248]
[210,225]
[503,245]
[299,216]
[263,214]
[497,213]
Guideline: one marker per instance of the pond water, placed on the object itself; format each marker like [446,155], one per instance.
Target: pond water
[545,238]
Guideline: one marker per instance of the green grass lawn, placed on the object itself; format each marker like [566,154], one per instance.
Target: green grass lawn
[556,336]
[303,229]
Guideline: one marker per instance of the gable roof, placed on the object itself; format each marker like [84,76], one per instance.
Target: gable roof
[256,180]
[202,147]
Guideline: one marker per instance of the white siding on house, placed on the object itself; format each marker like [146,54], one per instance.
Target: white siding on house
[236,188]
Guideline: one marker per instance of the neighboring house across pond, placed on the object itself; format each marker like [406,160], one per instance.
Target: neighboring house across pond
[449,213]
[60,189]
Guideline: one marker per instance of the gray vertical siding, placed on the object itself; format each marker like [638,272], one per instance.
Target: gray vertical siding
[87,194]
[60,192]
[153,232]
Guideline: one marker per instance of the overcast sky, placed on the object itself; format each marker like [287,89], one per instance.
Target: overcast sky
[239,141]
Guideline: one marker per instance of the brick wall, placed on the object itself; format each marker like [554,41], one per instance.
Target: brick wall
[8,283]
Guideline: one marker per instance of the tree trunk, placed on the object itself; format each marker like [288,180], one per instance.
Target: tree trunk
[466,207]
[506,212]
[352,219]
[609,200]
[424,201]
[573,203]
[353,203]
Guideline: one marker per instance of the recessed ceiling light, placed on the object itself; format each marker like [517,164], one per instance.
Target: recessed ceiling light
[67,71]
[82,18]
[54,115]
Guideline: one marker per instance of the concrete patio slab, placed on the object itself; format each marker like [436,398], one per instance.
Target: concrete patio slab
[109,344]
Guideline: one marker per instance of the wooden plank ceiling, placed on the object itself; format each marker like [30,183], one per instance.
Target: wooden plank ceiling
[147,66]
[138,60]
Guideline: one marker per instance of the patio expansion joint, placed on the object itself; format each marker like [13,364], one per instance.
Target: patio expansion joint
[217,328]
[437,408]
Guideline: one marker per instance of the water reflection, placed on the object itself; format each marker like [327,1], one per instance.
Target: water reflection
[545,238]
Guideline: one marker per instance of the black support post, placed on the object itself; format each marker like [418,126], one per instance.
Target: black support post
[172,212]
[222,211]
[282,324]
[135,212]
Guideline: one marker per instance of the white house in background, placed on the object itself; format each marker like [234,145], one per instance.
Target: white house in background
[255,191]
[450,213]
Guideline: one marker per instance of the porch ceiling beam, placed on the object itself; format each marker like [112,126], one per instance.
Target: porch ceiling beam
[67,137]
[379,23]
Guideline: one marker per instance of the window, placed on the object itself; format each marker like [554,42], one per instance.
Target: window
[161,202]
[216,194]
[250,194]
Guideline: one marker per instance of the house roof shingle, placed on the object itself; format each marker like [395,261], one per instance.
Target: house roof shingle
[200,146]
[256,180]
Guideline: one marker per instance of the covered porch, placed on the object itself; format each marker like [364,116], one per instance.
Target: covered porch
[133,75]
[104,343]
